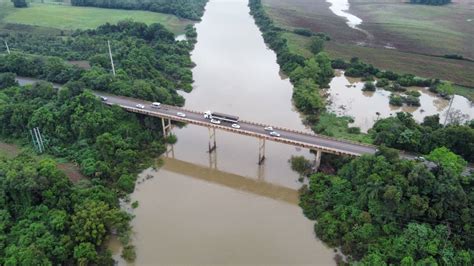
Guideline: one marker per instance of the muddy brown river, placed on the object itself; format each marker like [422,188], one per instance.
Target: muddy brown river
[224,208]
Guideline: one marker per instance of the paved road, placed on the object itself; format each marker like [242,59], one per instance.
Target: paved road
[247,128]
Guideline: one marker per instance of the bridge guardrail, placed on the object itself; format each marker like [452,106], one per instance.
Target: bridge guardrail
[242,121]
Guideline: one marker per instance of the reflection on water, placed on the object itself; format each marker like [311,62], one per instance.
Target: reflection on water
[223,208]
[341,8]
[347,98]
[189,215]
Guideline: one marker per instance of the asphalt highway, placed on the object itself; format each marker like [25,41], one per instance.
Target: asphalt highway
[246,128]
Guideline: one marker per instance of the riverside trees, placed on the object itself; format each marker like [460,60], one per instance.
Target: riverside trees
[42,220]
[191,9]
[382,210]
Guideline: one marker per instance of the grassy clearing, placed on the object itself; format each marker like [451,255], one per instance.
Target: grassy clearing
[425,29]
[66,17]
[464,91]
[416,31]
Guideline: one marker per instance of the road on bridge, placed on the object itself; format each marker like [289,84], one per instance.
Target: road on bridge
[288,136]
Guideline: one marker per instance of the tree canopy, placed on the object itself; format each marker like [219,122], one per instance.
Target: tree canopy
[386,211]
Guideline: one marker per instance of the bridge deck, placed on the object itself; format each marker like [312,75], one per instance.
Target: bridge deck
[288,136]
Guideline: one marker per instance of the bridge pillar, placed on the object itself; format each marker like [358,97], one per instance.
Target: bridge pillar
[213,160]
[317,160]
[166,127]
[261,151]
[212,139]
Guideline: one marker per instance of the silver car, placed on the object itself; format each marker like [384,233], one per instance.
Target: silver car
[275,134]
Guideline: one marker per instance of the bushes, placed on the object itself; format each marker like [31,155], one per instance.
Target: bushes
[396,100]
[369,86]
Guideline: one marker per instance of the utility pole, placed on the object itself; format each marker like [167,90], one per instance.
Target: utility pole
[8,49]
[449,110]
[111,59]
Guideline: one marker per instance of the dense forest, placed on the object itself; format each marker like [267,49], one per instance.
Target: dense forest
[40,206]
[191,9]
[382,210]
[149,63]
[431,2]
[404,133]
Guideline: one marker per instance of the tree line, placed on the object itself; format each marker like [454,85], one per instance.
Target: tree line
[307,75]
[190,9]
[431,2]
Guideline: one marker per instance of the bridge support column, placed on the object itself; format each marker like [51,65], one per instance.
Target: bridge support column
[166,127]
[212,139]
[317,160]
[213,160]
[261,151]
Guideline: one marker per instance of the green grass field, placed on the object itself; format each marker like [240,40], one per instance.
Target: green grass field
[420,33]
[66,17]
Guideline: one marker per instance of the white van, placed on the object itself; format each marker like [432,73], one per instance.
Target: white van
[156,105]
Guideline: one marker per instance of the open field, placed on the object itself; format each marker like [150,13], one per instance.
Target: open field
[419,28]
[419,41]
[64,17]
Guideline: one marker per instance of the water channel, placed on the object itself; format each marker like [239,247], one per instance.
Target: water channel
[341,8]
[224,208]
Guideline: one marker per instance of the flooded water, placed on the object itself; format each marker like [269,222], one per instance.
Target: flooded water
[223,208]
[341,8]
[347,98]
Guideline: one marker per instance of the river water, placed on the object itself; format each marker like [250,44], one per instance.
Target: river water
[347,98]
[341,8]
[223,208]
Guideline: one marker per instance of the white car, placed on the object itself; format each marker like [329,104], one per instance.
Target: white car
[181,114]
[269,129]
[156,105]
[215,121]
[235,126]
[275,134]
[141,106]
[103,98]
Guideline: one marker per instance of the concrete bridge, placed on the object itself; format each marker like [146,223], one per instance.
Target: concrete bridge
[317,143]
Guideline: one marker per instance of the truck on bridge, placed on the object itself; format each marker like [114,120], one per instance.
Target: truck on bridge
[221,117]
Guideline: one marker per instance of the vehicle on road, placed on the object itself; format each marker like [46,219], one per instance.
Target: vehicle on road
[103,98]
[215,121]
[268,128]
[235,126]
[420,159]
[275,134]
[221,117]
[156,105]
[141,106]
[181,114]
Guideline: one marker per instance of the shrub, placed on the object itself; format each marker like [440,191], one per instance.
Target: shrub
[369,86]
[396,100]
